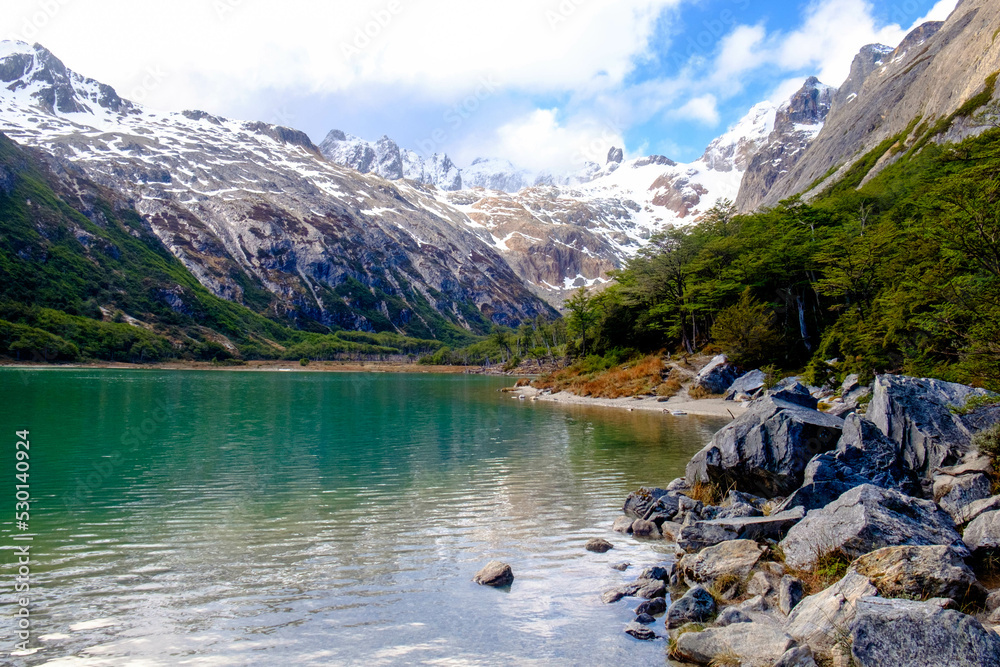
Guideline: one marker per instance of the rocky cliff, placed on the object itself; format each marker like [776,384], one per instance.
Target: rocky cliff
[907,95]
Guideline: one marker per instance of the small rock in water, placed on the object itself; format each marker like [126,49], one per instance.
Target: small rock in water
[621,567]
[645,619]
[643,528]
[599,546]
[495,574]
[640,632]
[653,607]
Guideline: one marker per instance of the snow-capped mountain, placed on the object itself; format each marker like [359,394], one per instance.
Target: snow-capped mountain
[255,209]
[386,159]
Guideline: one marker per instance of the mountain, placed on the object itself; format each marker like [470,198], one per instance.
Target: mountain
[261,218]
[797,122]
[926,89]
[387,160]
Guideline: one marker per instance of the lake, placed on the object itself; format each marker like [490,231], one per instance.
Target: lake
[235,518]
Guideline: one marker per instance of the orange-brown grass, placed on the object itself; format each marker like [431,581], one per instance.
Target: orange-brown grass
[706,493]
[830,568]
[699,393]
[636,378]
[671,387]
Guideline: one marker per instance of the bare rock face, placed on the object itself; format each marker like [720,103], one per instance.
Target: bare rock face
[930,75]
[797,124]
[867,518]
[737,557]
[819,619]
[766,450]
[751,643]
[920,634]
[920,572]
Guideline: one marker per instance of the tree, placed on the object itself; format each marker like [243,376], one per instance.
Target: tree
[582,316]
[745,331]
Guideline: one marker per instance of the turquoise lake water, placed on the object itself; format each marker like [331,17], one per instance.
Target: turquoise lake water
[238,518]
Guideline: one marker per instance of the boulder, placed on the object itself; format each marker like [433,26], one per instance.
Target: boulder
[871,455]
[763,584]
[701,534]
[645,619]
[815,496]
[640,631]
[916,414]
[920,572]
[749,643]
[919,634]
[800,656]
[717,376]
[748,384]
[650,589]
[621,567]
[765,451]
[640,504]
[955,494]
[495,574]
[737,557]
[657,572]
[993,601]
[984,533]
[619,592]
[790,594]
[598,545]
[697,606]
[867,518]
[820,619]
[738,511]
[791,390]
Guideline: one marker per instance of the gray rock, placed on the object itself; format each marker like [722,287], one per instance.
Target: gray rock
[656,572]
[641,504]
[623,591]
[621,567]
[993,601]
[755,604]
[651,589]
[697,606]
[732,615]
[920,634]
[815,496]
[955,494]
[748,384]
[644,619]
[867,518]
[701,534]
[920,572]
[623,524]
[800,656]
[737,557]
[738,511]
[751,643]
[791,390]
[653,607]
[763,584]
[871,455]
[717,376]
[598,545]
[643,528]
[984,532]
[495,574]
[640,631]
[765,451]
[820,619]
[916,415]
[790,594]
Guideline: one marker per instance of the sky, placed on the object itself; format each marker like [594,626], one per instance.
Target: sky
[547,84]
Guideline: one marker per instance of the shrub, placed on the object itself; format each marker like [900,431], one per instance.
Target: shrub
[988,441]
[746,331]
[303,362]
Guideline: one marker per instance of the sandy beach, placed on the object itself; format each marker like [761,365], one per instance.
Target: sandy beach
[709,407]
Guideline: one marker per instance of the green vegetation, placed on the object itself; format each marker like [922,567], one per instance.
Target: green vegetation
[902,275]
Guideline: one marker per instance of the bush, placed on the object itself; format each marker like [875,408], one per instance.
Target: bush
[303,362]
[746,331]
[988,441]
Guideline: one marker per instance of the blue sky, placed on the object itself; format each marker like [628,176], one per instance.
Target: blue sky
[545,83]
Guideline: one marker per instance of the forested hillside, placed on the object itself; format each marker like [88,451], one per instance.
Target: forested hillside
[902,274]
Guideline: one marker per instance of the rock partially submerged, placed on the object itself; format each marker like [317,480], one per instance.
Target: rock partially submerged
[495,574]
[867,518]
[598,545]
[765,451]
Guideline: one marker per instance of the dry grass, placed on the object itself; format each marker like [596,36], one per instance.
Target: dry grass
[707,493]
[642,377]
[724,585]
[700,393]
[672,386]
[727,659]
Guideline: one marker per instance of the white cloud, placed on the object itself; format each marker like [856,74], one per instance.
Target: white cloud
[217,50]
[938,12]
[543,140]
[703,109]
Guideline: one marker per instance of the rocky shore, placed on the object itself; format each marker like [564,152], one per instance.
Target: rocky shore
[856,525]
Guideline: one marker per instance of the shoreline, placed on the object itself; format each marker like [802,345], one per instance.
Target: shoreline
[708,407]
[253,366]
